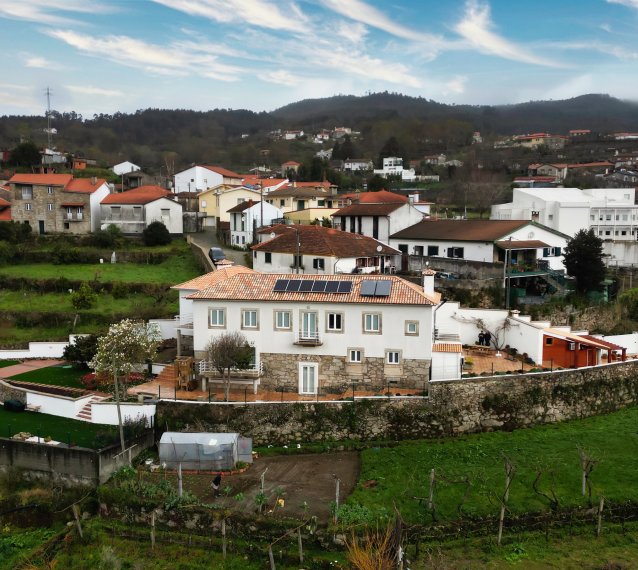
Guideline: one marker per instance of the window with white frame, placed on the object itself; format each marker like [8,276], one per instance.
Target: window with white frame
[49,189]
[393,357]
[308,377]
[217,317]
[319,263]
[412,328]
[28,207]
[355,355]
[27,192]
[334,322]
[371,323]
[50,207]
[249,319]
[282,320]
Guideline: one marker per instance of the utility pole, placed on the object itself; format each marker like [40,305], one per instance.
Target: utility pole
[48,94]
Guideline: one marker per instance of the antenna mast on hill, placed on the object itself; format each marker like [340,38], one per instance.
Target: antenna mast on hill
[48,94]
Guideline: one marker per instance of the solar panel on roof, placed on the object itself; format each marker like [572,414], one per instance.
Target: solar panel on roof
[383,288]
[344,287]
[367,288]
[293,285]
[280,285]
[332,286]
[319,286]
[305,287]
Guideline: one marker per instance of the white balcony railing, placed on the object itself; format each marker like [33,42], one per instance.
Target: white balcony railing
[308,337]
[207,368]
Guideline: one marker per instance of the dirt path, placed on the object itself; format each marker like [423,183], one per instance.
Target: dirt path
[303,478]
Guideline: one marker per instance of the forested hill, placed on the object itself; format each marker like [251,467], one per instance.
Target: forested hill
[594,112]
[155,137]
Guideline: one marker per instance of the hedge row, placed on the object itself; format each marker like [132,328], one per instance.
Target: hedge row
[62,285]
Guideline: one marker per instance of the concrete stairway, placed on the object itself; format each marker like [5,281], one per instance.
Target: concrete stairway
[85,414]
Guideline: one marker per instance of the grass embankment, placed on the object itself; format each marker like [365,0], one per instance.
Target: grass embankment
[60,429]
[399,474]
[64,375]
[17,546]
[5,363]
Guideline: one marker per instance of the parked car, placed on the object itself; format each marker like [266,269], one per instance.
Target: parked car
[216,254]
[446,275]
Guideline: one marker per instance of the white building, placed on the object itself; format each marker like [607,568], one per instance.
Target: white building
[357,164]
[132,211]
[125,167]
[201,177]
[314,333]
[247,217]
[393,166]
[313,249]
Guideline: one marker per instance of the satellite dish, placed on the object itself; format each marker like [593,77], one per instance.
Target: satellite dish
[272,235]
[379,248]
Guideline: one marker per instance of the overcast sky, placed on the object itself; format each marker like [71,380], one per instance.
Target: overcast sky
[105,56]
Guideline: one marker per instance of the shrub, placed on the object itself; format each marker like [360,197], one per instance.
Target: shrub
[83,298]
[81,351]
[119,290]
[156,234]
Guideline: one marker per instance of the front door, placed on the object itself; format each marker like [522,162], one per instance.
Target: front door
[309,326]
[41,226]
[307,378]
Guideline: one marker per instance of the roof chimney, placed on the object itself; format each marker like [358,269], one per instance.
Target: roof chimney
[428,280]
[93,180]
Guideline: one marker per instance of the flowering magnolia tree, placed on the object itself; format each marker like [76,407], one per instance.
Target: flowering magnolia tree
[127,344]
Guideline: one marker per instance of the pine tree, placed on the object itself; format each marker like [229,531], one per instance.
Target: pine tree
[584,261]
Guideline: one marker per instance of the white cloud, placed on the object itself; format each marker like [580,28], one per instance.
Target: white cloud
[175,59]
[616,51]
[47,11]
[477,29]
[455,86]
[605,27]
[259,13]
[628,3]
[90,90]
[39,62]
[280,76]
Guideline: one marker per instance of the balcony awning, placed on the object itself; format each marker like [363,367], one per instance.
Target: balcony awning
[72,205]
[522,244]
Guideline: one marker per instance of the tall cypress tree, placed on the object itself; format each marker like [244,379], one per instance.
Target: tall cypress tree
[584,260]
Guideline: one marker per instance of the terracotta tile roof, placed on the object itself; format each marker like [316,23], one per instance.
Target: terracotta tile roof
[380,197]
[601,164]
[535,179]
[5,215]
[223,171]
[327,242]
[41,179]
[447,347]
[596,343]
[302,191]
[368,209]
[291,163]
[141,195]
[4,203]
[259,287]
[609,345]
[84,185]
[521,244]
[242,206]
[212,278]
[461,230]
[263,182]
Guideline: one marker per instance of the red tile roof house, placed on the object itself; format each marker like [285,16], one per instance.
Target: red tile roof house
[132,211]
[201,177]
[57,203]
[316,333]
[5,210]
[308,249]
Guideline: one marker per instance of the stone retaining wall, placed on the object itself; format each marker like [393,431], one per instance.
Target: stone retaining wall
[453,408]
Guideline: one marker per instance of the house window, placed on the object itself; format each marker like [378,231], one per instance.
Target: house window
[321,203]
[297,261]
[66,225]
[456,252]
[116,212]
[393,357]
[354,355]
[550,217]
[334,322]
[249,319]
[203,203]
[608,217]
[607,232]
[28,207]
[412,328]
[49,189]
[50,207]
[371,323]
[217,318]
[282,320]
[282,203]
[254,255]
[267,257]
[27,193]
[433,250]
[319,263]
[308,377]
[549,340]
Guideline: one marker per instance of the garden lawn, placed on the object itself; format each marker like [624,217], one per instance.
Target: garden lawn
[60,429]
[5,363]
[399,474]
[64,375]
[17,337]
[175,270]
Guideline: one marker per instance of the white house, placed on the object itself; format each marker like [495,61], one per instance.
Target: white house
[125,167]
[393,166]
[247,217]
[377,215]
[132,211]
[526,242]
[201,177]
[314,333]
[357,164]
[313,249]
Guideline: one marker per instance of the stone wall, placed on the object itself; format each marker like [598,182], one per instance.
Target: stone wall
[336,375]
[8,392]
[454,407]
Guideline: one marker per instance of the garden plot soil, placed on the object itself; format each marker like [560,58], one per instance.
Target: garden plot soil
[303,478]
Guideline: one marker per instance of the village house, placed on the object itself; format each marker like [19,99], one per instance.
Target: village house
[125,167]
[202,177]
[537,139]
[357,165]
[314,334]
[247,217]
[132,211]
[393,166]
[298,196]
[314,249]
[57,203]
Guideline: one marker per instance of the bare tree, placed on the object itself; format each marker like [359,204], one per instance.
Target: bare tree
[229,351]
[497,331]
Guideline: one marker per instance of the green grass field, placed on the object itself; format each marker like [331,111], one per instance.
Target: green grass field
[5,363]
[54,376]
[58,428]
[397,475]
[172,271]
[20,337]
